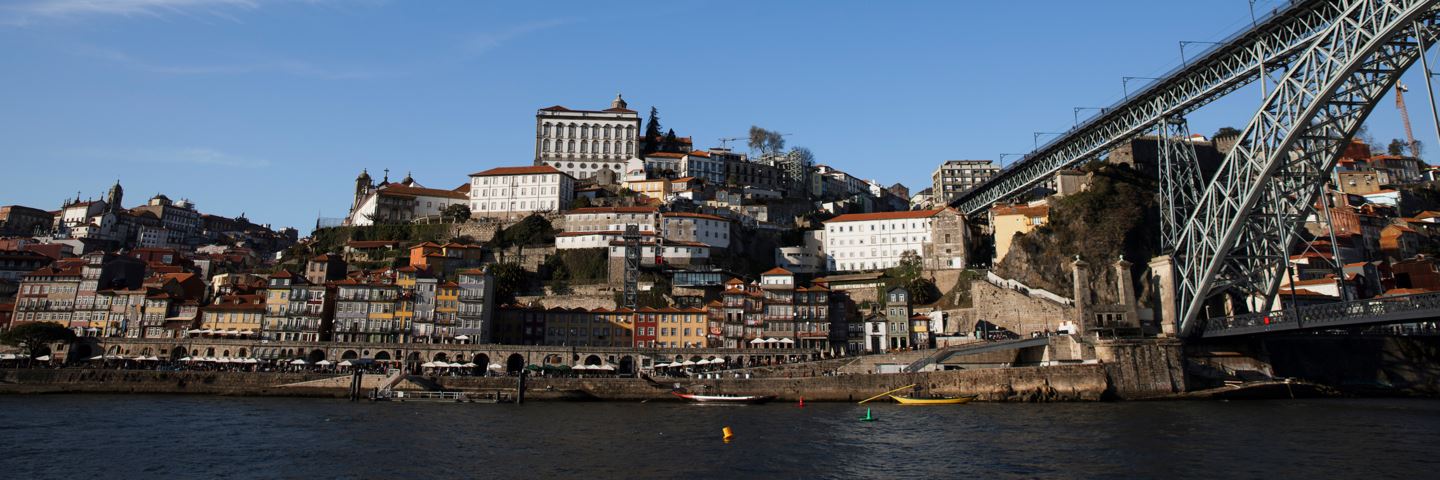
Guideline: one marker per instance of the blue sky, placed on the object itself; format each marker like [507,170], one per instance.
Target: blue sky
[271,107]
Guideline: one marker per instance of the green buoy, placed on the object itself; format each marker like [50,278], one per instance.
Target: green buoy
[868,417]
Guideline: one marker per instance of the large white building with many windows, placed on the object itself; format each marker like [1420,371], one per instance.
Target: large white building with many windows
[873,241]
[519,191]
[583,142]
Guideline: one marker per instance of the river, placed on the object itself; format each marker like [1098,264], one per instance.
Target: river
[118,436]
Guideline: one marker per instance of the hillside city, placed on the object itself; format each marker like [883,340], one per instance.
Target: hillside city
[623,233]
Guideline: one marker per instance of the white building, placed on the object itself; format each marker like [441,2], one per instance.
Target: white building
[708,168]
[583,142]
[874,241]
[696,227]
[807,258]
[599,219]
[400,202]
[519,191]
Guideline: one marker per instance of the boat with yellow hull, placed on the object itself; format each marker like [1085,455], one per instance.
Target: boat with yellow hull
[933,401]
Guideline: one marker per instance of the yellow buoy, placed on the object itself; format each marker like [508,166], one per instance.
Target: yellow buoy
[728,434]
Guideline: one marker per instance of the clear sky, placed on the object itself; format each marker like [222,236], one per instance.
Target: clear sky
[272,107]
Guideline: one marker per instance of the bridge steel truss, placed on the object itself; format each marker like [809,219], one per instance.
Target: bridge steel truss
[1269,45]
[1181,183]
[1238,237]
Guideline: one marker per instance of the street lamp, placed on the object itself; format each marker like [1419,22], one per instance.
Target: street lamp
[1125,83]
[1076,112]
[1003,155]
[1036,137]
[1184,43]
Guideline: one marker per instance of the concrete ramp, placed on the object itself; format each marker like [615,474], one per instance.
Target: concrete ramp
[341,381]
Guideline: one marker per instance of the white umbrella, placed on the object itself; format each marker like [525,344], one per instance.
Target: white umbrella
[42,358]
[496,366]
[602,367]
[188,359]
[462,337]
[223,360]
[298,362]
[252,360]
[97,358]
[469,365]
[757,341]
[580,367]
[428,365]
[688,363]
[345,363]
[786,340]
[7,356]
[323,363]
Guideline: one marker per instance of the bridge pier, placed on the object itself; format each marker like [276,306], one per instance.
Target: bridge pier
[1162,268]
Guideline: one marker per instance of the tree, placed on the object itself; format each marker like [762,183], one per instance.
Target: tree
[1225,132]
[670,143]
[533,230]
[765,141]
[580,202]
[648,144]
[458,212]
[1363,134]
[1396,147]
[35,337]
[510,280]
[910,273]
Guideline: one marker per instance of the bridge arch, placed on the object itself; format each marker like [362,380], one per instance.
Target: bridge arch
[349,355]
[514,363]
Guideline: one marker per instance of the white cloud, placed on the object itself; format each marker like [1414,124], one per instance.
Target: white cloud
[480,43]
[179,156]
[26,12]
[299,68]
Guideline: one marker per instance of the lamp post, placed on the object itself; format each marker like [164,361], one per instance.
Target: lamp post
[1003,155]
[1037,135]
[1076,112]
[1125,83]
[1184,43]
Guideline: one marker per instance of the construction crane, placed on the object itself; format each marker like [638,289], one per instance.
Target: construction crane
[725,142]
[1400,90]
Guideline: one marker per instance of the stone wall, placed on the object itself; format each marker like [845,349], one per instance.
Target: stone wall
[1014,310]
[1032,384]
[1142,368]
[93,380]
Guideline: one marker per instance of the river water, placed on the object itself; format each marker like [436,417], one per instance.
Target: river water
[135,436]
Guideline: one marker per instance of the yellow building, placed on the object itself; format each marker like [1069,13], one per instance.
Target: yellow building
[1015,219]
[617,327]
[233,316]
[681,328]
[658,189]
[447,306]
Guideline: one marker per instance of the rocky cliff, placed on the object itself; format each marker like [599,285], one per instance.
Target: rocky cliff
[1117,214]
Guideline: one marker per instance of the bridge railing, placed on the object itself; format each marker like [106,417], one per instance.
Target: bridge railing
[1324,315]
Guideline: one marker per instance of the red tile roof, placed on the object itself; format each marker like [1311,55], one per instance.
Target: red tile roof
[398,190]
[666,155]
[861,217]
[777,271]
[530,170]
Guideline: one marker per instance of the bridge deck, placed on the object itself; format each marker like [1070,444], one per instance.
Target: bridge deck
[1370,311]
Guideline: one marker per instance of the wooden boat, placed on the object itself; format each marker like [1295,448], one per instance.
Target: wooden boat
[933,401]
[725,399]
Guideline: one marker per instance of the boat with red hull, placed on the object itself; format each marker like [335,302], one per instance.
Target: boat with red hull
[725,399]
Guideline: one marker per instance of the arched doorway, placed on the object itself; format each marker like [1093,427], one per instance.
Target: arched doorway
[242,353]
[514,363]
[80,353]
[482,361]
[440,357]
[627,365]
[349,355]
[177,353]
[210,352]
[316,355]
[592,360]
[382,355]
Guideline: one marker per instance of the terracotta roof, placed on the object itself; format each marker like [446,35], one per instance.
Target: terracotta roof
[861,217]
[396,189]
[701,153]
[1035,211]
[666,155]
[530,170]
[586,210]
[777,271]
[694,215]
[372,243]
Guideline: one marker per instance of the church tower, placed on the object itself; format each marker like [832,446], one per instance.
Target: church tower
[114,197]
[362,188]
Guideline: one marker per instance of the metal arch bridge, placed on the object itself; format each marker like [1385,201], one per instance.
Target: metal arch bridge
[1424,307]
[1230,238]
